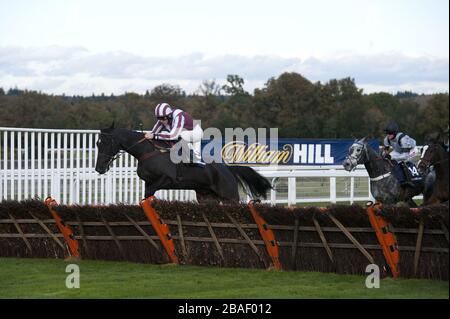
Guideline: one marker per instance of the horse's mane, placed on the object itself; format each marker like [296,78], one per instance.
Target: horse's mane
[124,131]
[160,144]
[371,150]
[375,152]
[441,147]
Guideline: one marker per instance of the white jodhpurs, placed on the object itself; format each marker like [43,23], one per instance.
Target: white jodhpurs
[193,140]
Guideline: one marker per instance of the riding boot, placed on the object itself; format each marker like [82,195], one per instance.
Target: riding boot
[198,164]
[408,181]
[195,159]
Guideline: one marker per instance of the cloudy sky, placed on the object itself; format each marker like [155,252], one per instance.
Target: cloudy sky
[111,46]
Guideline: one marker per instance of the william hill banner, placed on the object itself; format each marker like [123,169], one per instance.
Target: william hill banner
[288,152]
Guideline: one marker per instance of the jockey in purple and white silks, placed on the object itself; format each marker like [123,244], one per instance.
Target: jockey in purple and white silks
[173,124]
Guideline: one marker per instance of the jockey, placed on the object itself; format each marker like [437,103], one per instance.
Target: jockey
[404,150]
[174,124]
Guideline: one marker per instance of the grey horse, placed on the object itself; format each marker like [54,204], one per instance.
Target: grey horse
[385,188]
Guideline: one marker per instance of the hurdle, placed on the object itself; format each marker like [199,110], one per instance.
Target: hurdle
[161,229]
[385,236]
[65,230]
[267,235]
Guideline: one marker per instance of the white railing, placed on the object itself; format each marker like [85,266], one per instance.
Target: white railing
[332,192]
[60,163]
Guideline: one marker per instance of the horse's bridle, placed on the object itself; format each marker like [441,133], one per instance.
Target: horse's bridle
[113,157]
[355,159]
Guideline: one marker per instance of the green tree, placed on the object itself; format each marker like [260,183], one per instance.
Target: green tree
[287,102]
[168,93]
[234,85]
[340,109]
[434,116]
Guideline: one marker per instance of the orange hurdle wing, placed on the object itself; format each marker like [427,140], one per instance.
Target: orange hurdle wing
[162,230]
[268,236]
[386,238]
[65,230]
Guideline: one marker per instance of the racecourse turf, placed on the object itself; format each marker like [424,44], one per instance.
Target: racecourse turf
[46,278]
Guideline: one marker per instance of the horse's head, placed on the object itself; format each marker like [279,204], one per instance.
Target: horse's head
[433,138]
[357,154]
[431,154]
[108,148]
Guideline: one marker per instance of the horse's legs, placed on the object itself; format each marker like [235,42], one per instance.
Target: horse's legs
[152,187]
[407,195]
[201,195]
[205,196]
[225,189]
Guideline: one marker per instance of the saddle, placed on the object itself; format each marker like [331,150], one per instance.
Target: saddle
[161,147]
[411,176]
[162,144]
[413,172]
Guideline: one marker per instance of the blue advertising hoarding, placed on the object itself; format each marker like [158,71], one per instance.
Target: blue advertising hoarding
[287,152]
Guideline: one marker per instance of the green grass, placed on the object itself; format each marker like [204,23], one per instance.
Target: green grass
[45,278]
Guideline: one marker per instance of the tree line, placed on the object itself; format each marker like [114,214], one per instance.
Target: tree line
[298,107]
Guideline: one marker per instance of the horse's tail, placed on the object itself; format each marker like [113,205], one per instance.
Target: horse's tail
[247,176]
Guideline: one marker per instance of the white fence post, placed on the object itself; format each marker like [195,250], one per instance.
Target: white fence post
[26,177]
[371,198]
[55,186]
[39,159]
[333,188]
[273,192]
[292,191]
[19,166]
[33,171]
[12,193]
[108,189]
[352,189]
[5,165]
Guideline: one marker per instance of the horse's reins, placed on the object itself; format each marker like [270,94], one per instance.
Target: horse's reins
[160,149]
[429,163]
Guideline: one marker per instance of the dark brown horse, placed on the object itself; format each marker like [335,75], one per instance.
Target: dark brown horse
[434,155]
[215,181]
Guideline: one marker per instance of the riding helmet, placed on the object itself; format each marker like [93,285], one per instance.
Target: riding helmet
[163,110]
[391,128]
